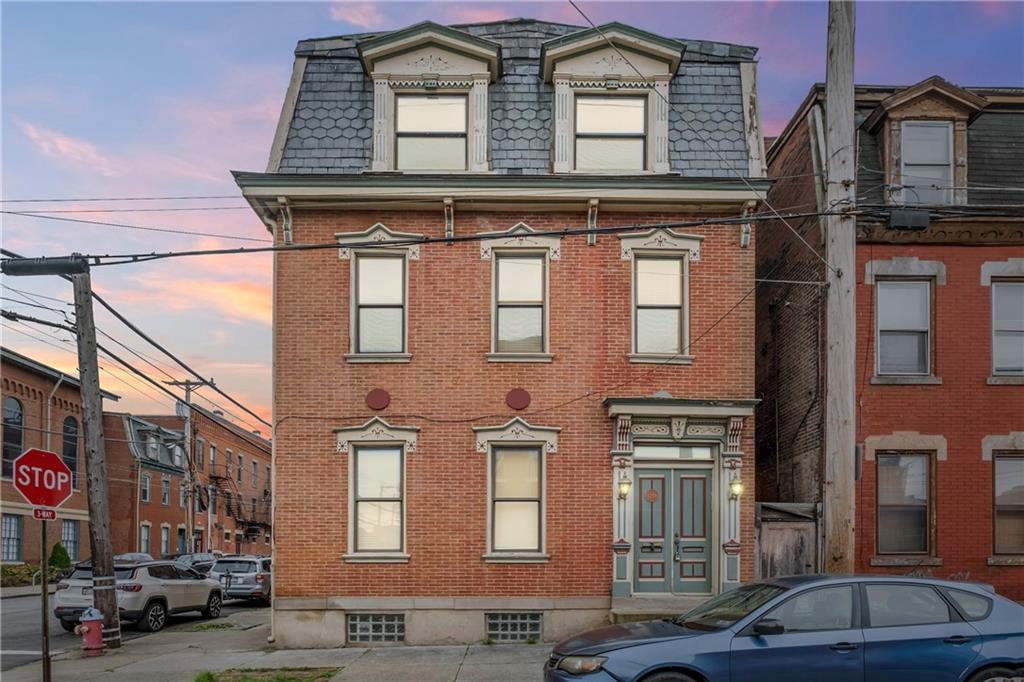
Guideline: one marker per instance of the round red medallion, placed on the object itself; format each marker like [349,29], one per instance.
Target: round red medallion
[517,399]
[378,399]
[652,495]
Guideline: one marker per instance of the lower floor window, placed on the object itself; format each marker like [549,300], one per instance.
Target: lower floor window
[378,499]
[516,499]
[1009,504]
[69,537]
[904,481]
[165,541]
[513,627]
[181,541]
[11,537]
[375,627]
[144,543]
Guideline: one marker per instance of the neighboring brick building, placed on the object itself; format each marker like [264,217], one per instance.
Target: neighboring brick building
[453,421]
[940,330]
[42,409]
[152,508]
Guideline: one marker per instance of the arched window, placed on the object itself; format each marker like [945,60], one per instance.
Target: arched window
[14,434]
[70,451]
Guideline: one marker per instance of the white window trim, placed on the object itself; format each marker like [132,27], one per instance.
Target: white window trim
[375,432]
[146,489]
[950,194]
[165,485]
[903,377]
[517,433]
[149,533]
[165,527]
[997,376]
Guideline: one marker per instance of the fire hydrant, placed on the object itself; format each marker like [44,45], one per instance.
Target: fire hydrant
[91,630]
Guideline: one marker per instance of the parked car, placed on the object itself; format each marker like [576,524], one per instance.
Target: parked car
[146,594]
[243,577]
[197,561]
[812,628]
[133,556]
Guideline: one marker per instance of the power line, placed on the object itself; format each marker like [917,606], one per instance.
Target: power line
[127,226]
[699,134]
[84,199]
[138,210]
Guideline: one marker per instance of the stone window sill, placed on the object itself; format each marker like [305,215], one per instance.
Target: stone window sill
[375,358]
[1006,560]
[907,561]
[520,357]
[376,558]
[906,380]
[516,558]
[660,359]
[1005,381]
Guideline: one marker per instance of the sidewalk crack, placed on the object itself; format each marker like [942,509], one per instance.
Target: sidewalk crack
[458,671]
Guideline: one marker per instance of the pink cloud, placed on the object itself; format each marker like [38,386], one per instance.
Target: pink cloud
[237,300]
[361,14]
[76,153]
[476,15]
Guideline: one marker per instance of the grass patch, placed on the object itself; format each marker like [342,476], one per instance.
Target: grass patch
[201,627]
[270,675]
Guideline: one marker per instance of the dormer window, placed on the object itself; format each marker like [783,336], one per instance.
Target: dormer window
[430,132]
[611,133]
[927,162]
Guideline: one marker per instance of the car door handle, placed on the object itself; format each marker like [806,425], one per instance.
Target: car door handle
[958,639]
[843,646]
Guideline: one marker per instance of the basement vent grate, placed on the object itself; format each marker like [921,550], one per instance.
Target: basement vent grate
[513,627]
[376,627]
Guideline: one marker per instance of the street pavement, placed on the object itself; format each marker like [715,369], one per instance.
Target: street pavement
[185,650]
[21,634]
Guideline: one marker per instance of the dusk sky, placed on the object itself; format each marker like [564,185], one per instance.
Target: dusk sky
[163,99]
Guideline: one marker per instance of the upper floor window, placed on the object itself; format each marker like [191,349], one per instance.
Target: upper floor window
[200,455]
[69,448]
[144,493]
[240,470]
[430,132]
[14,434]
[255,473]
[660,310]
[1008,328]
[519,297]
[927,162]
[611,133]
[380,304]
[903,327]
[165,491]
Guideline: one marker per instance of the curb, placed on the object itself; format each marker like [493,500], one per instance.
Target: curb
[24,591]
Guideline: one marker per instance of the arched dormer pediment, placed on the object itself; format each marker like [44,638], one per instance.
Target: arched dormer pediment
[587,53]
[429,49]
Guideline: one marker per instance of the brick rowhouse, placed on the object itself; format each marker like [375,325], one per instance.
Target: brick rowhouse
[950,429]
[493,439]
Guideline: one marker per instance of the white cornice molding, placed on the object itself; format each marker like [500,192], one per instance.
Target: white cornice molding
[517,430]
[519,236]
[660,239]
[380,234]
[377,431]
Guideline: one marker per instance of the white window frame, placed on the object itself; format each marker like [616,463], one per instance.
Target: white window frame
[1001,283]
[255,466]
[165,491]
[145,537]
[13,544]
[906,194]
[646,96]
[240,472]
[376,433]
[165,539]
[145,485]
[183,495]
[356,305]
[466,134]
[683,350]
[879,285]
[545,351]
[70,534]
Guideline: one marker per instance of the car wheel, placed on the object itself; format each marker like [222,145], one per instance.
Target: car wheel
[153,618]
[68,625]
[213,606]
[668,676]
[994,675]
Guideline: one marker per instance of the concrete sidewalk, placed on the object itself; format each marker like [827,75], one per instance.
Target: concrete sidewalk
[182,654]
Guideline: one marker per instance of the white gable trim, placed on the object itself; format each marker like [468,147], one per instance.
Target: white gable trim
[520,236]
[517,430]
[660,239]
[379,233]
[377,431]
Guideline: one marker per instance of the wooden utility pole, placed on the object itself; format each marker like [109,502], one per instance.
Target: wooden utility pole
[190,477]
[103,580]
[840,251]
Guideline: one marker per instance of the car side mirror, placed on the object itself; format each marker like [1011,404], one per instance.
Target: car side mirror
[768,626]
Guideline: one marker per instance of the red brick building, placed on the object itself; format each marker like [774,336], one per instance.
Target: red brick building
[155,508]
[516,434]
[42,409]
[940,330]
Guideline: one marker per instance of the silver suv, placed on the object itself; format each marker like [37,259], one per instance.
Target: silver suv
[243,577]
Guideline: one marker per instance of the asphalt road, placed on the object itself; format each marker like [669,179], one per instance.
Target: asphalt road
[21,636]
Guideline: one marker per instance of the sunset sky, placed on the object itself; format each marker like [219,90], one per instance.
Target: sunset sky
[163,99]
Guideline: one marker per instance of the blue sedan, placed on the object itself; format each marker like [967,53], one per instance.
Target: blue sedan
[809,629]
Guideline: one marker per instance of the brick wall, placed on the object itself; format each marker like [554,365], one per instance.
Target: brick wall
[449,385]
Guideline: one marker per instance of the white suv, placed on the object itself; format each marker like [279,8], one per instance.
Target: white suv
[146,594]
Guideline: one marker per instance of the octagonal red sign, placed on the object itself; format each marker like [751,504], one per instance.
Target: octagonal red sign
[42,478]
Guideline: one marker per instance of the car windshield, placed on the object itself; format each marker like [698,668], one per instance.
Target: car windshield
[85,573]
[729,607]
[233,566]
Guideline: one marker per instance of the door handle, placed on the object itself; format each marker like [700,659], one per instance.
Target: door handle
[843,646]
[958,639]
[675,547]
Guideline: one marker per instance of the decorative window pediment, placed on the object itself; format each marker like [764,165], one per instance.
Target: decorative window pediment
[660,240]
[587,53]
[377,431]
[429,48]
[931,98]
[516,430]
[520,236]
[378,234]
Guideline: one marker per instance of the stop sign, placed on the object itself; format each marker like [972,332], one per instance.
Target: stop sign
[42,478]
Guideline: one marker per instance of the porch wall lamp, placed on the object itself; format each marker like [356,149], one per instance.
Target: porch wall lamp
[625,485]
[735,488]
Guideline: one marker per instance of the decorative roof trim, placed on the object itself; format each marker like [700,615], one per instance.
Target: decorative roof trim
[428,32]
[680,407]
[660,239]
[964,98]
[619,35]
[517,430]
[284,120]
[519,236]
[377,431]
[379,233]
